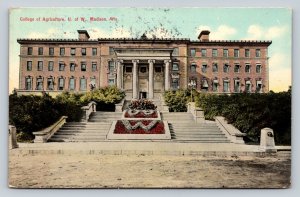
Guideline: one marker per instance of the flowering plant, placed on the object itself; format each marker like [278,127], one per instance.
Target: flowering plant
[142,104]
[139,127]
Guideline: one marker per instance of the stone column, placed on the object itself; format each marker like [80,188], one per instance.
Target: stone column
[119,73]
[167,74]
[135,79]
[151,79]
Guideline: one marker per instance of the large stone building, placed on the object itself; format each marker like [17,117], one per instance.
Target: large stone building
[143,67]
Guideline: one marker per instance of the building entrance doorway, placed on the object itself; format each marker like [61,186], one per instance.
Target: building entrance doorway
[143,95]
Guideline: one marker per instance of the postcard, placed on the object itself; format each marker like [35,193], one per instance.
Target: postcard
[150,97]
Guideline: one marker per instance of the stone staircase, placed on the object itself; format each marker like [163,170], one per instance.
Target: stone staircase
[92,131]
[184,129]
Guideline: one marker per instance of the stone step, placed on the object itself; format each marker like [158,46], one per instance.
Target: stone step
[201,140]
[78,136]
[82,131]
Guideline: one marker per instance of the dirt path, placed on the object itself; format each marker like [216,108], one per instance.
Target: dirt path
[138,171]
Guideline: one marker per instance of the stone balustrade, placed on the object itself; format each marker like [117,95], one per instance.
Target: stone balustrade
[88,110]
[12,131]
[45,134]
[197,112]
[232,133]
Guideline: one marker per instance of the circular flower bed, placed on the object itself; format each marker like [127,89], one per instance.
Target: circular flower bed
[139,127]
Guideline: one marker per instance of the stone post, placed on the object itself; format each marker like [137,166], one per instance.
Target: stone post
[151,79]
[119,73]
[267,142]
[135,79]
[12,137]
[167,74]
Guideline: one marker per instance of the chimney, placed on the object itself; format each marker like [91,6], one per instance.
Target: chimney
[204,35]
[83,35]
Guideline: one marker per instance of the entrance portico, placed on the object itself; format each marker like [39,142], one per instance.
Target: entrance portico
[143,73]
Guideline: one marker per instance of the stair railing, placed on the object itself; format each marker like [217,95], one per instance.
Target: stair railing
[88,110]
[45,134]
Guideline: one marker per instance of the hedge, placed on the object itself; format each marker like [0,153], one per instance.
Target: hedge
[33,113]
[252,112]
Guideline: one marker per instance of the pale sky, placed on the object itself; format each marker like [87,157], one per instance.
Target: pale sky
[224,23]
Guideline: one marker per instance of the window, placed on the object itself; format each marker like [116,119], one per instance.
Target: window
[259,86]
[175,67]
[257,53]
[61,83]
[193,68]
[39,83]
[226,68]
[247,52]
[204,68]
[61,66]
[204,84]
[72,84]
[157,69]
[111,51]
[143,69]
[237,86]
[50,65]
[51,51]
[226,85]
[111,67]
[83,66]
[248,86]
[215,67]
[128,69]
[247,68]
[62,51]
[94,51]
[258,68]
[29,65]
[50,84]
[72,66]
[111,82]
[73,51]
[92,83]
[40,51]
[28,83]
[94,66]
[40,66]
[236,52]
[82,84]
[175,52]
[203,52]
[225,52]
[175,83]
[29,51]
[215,85]
[193,52]
[215,52]
[236,68]
[83,51]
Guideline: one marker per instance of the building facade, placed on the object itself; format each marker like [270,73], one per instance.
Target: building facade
[143,67]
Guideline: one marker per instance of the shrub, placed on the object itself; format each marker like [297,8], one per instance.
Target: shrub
[31,113]
[177,100]
[106,98]
[252,112]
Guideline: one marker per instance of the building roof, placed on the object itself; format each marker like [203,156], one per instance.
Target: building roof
[147,40]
